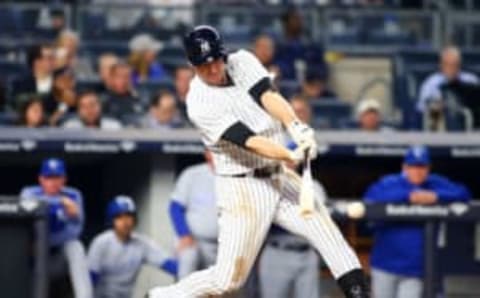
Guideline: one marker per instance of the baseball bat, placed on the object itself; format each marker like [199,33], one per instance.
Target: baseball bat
[307,203]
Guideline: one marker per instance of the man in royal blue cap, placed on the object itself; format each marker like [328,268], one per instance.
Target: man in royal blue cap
[397,256]
[66,218]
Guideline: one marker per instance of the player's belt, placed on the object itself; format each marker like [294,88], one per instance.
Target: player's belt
[265,172]
[289,246]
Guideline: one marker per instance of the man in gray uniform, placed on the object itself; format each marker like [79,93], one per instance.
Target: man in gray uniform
[193,213]
[116,255]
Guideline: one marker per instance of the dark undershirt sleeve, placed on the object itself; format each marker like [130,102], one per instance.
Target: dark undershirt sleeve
[238,134]
[257,90]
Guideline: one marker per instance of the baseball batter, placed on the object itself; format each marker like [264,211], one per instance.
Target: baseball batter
[240,117]
[116,256]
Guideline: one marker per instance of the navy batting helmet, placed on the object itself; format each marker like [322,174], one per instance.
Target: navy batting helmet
[120,205]
[203,44]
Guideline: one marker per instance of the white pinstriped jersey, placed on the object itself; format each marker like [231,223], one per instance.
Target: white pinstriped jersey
[214,109]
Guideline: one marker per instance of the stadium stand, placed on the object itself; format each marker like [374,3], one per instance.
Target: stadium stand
[337,39]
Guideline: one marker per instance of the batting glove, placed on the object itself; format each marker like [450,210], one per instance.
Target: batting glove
[298,155]
[300,132]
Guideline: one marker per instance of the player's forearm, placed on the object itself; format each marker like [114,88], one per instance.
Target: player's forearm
[266,148]
[278,107]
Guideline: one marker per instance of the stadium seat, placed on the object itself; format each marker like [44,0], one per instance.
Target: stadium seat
[148,89]
[95,49]
[380,37]
[288,88]
[88,85]
[92,25]
[330,113]
[350,37]
[9,68]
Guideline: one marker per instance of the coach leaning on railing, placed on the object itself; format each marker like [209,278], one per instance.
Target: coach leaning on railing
[397,258]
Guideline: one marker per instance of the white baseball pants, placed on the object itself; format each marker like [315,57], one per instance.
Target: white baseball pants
[247,207]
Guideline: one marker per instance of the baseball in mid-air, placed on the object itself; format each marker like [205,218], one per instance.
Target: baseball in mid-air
[356,210]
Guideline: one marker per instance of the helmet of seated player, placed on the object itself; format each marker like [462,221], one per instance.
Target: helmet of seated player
[120,205]
[203,45]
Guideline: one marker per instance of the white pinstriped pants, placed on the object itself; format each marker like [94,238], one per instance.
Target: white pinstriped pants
[248,206]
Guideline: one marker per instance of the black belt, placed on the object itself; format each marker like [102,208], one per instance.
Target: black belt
[265,172]
[291,247]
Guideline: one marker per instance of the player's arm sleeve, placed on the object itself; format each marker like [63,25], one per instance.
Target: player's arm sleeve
[238,134]
[448,191]
[156,257]
[253,76]
[75,225]
[94,258]
[25,193]
[179,220]
[179,203]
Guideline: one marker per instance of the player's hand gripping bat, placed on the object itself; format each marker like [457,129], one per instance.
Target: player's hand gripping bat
[307,203]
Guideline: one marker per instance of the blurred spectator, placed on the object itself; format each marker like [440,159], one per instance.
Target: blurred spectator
[65,219]
[264,49]
[292,25]
[135,250]
[315,85]
[31,113]
[51,21]
[302,109]
[450,71]
[63,97]
[183,76]
[144,49]
[121,101]
[39,80]
[67,55]
[89,114]
[163,113]
[58,21]
[105,63]
[369,116]
[397,258]
[294,52]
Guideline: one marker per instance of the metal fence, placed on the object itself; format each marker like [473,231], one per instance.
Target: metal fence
[349,29]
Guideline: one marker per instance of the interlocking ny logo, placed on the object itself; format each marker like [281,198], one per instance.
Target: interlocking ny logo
[204,47]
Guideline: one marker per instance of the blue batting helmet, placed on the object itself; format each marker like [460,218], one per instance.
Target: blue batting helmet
[120,205]
[203,44]
[417,156]
[53,167]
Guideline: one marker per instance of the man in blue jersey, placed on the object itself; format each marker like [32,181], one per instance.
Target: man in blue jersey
[397,256]
[66,218]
